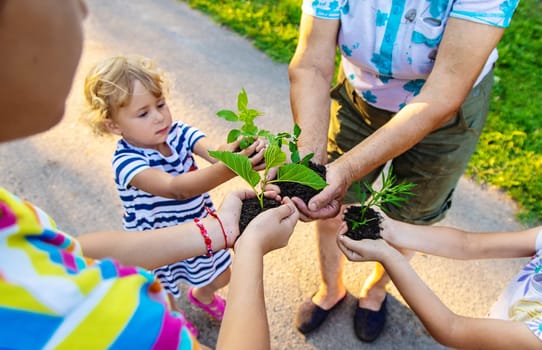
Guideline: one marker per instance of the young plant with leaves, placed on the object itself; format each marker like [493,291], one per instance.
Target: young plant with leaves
[295,172]
[391,193]
[245,116]
[249,131]
[274,157]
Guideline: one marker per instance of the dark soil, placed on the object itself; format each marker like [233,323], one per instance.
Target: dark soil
[251,208]
[304,192]
[370,230]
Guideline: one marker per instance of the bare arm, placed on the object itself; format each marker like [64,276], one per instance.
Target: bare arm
[446,327]
[311,73]
[193,183]
[245,324]
[462,54]
[453,243]
[154,248]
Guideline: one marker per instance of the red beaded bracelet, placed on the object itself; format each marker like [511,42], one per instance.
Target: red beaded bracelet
[213,214]
[206,237]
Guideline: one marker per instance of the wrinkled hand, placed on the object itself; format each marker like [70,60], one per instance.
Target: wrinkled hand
[327,203]
[271,229]
[362,250]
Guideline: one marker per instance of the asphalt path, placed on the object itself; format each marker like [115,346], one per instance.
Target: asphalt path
[67,172]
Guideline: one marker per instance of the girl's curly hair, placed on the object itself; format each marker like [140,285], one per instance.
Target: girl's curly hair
[109,86]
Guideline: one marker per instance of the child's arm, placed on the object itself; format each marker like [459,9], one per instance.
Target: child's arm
[446,327]
[193,183]
[245,323]
[154,248]
[457,244]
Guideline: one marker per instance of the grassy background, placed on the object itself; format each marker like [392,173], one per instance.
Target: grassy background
[509,153]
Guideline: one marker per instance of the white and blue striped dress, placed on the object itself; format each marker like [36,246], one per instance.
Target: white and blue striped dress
[144,211]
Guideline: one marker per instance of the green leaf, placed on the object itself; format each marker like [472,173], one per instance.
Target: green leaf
[233,135]
[250,130]
[242,100]
[253,113]
[240,164]
[228,115]
[306,159]
[297,131]
[274,156]
[294,157]
[300,174]
[246,142]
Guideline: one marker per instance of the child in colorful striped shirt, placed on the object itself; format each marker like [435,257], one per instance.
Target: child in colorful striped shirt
[53,294]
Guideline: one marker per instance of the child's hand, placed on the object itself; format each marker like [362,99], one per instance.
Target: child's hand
[392,230]
[255,153]
[230,211]
[271,229]
[362,250]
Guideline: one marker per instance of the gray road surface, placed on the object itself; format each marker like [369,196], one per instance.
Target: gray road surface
[67,172]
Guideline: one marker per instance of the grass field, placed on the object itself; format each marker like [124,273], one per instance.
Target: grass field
[509,155]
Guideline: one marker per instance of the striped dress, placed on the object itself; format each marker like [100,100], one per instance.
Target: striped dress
[51,297]
[144,211]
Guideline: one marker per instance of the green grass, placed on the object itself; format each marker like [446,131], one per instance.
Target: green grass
[509,153]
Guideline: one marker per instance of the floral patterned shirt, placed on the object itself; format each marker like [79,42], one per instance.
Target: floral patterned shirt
[389,47]
[522,299]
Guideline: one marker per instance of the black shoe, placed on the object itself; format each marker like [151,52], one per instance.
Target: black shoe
[368,323]
[311,316]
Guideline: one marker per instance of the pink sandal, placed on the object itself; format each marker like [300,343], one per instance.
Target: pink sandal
[214,309]
[191,328]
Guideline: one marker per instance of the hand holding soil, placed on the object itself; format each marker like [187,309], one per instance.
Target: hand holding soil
[231,204]
[362,250]
[272,228]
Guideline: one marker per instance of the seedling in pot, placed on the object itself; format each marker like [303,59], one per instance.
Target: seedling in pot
[362,220]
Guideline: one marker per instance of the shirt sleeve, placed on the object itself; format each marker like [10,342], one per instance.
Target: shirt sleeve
[126,165]
[68,301]
[188,136]
[322,9]
[496,13]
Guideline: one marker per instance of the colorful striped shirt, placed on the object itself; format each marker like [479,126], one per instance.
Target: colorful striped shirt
[389,47]
[52,297]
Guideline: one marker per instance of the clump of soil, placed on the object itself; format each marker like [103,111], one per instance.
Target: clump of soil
[251,208]
[294,189]
[370,230]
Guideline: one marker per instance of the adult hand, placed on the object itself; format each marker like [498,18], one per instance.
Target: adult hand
[327,203]
[271,229]
[362,250]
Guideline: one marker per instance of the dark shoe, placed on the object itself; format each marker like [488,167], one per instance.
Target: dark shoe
[311,316]
[368,323]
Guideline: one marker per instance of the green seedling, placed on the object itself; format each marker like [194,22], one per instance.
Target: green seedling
[297,171]
[274,157]
[245,117]
[389,193]
[249,131]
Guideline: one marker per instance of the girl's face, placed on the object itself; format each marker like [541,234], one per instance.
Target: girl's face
[144,122]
